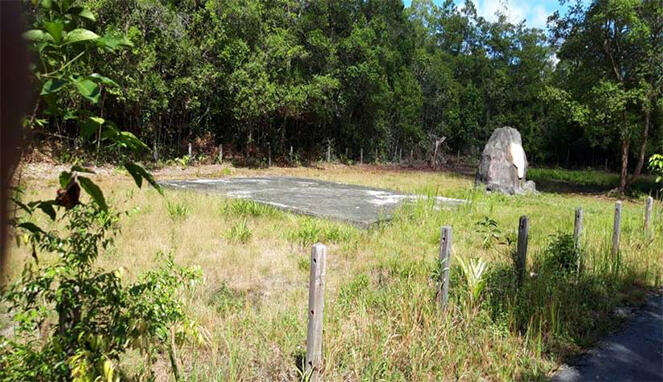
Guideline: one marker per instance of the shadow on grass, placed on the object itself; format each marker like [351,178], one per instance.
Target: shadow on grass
[563,181]
[557,311]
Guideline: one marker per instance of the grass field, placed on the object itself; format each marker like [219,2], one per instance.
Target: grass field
[382,321]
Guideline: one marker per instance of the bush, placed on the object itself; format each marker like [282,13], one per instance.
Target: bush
[76,321]
[560,255]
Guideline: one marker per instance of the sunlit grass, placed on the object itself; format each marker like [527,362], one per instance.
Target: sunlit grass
[381,319]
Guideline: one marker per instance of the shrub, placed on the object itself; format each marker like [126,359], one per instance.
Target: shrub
[89,317]
[560,254]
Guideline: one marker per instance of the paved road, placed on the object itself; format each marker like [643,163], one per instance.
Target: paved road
[635,353]
[359,205]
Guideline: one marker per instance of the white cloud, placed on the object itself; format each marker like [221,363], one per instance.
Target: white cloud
[515,11]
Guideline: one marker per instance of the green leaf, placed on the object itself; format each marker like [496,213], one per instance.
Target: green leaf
[82,12]
[47,208]
[48,4]
[55,29]
[132,142]
[78,35]
[139,173]
[52,86]
[94,191]
[89,90]
[37,35]
[101,79]
[31,227]
[97,120]
[113,42]
[65,179]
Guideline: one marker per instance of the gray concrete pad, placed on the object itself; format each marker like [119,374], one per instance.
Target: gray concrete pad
[359,205]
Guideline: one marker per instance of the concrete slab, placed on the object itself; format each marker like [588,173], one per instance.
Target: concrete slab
[359,205]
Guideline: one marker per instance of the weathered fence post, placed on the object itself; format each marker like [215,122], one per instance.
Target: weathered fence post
[155,153]
[291,155]
[649,205]
[220,153]
[190,151]
[316,294]
[577,228]
[376,155]
[521,256]
[445,262]
[328,151]
[269,155]
[617,228]
[577,235]
[361,156]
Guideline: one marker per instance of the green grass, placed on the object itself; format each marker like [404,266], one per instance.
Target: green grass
[382,320]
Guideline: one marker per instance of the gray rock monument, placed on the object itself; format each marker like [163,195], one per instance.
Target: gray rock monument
[503,166]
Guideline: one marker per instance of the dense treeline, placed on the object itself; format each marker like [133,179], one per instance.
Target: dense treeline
[373,74]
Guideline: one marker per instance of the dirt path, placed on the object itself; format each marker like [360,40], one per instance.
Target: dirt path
[635,353]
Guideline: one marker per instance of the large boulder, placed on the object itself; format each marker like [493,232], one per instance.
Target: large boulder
[503,166]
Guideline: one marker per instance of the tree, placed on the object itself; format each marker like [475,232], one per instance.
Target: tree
[613,53]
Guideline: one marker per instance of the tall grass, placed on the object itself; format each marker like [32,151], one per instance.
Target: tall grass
[382,320]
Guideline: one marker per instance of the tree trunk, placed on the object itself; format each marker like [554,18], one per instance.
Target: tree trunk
[643,148]
[624,171]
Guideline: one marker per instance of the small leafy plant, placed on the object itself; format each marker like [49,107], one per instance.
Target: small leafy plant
[177,211]
[239,232]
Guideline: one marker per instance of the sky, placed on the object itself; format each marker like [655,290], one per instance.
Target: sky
[535,12]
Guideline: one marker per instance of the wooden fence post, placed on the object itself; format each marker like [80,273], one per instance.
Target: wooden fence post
[291,155]
[155,153]
[445,262]
[316,294]
[577,235]
[328,151]
[361,156]
[521,256]
[617,228]
[221,153]
[269,155]
[190,151]
[649,205]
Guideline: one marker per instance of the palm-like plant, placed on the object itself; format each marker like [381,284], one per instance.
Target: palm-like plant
[474,272]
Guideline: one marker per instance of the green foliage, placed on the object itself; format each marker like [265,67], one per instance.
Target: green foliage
[310,231]
[248,208]
[656,166]
[560,255]
[92,317]
[177,211]
[73,320]
[240,232]
[371,76]
[474,273]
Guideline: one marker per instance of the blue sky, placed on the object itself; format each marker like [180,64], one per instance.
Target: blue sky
[535,12]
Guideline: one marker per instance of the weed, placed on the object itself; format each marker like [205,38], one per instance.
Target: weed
[244,207]
[239,232]
[177,211]
[311,231]
[560,255]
